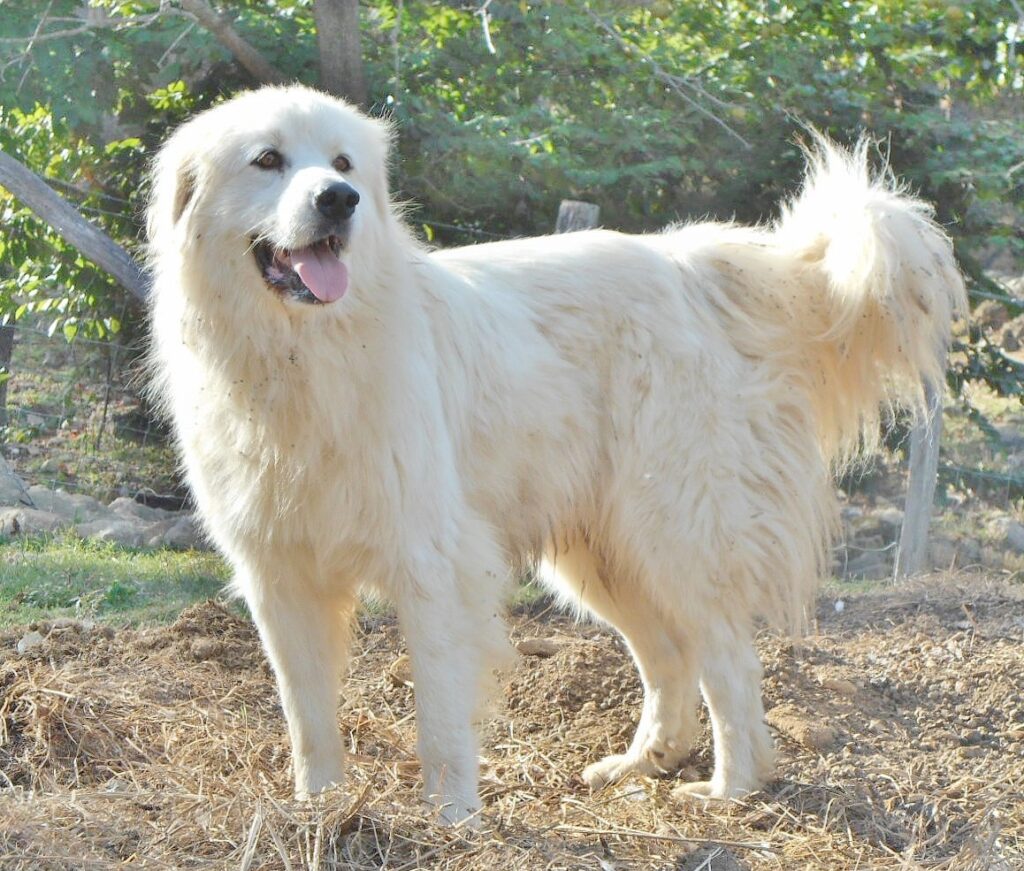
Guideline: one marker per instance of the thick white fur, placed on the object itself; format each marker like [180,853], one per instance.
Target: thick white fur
[654,418]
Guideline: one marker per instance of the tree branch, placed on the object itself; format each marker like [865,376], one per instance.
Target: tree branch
[247,55]
[485,23]
[676,83]
[89,23]
[243,51]
[66,220]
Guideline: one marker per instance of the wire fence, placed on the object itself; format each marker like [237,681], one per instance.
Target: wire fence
[76,420]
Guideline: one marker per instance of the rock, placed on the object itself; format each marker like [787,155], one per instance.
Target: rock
[12,488]
[968,551]
[992,557]
[185,534]
[54,501]
[1015,537]
[1011,435]
[119,530]
[179,531]
[1011,334]
[28,641]
[129,508]
[796,726]
[891,517]
[990,314]
[543,647]
[125,522]
[941,553]
[155,532]
[870,528]
[945,553]
[839,685]
[1008,532]
[870,565]
[28,521]
[74,508]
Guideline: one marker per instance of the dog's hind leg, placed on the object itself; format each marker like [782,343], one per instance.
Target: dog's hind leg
[731,683]
[665,657]
[306,635]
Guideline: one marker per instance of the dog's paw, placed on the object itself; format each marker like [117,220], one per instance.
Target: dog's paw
[709,790]
[614,768]
[457,814]
[698,789]
[330,790]
[311,782]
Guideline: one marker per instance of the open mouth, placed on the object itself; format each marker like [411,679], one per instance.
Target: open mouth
[312,274]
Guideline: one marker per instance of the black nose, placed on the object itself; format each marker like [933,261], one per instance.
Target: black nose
[337,201]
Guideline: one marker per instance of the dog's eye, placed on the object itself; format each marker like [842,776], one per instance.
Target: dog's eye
[342,163]
[269,159]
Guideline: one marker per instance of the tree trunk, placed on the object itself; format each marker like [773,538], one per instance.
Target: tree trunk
[341,52]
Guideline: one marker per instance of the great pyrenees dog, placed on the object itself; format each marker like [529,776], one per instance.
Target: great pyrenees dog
[650,420]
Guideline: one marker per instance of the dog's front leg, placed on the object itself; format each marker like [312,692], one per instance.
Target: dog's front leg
[445,670]
[306,634]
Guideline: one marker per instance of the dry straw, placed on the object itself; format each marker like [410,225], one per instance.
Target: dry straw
[165,748]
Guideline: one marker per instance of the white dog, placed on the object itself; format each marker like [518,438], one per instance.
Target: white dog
[653,418]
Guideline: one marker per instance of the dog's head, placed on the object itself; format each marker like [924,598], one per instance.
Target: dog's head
[288,179]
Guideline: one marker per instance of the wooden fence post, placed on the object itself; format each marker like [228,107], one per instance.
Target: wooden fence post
[576,215]
[912,554]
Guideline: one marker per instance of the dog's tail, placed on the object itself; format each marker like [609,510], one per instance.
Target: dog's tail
[880,289]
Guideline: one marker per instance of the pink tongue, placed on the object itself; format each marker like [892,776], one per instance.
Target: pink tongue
[323,273]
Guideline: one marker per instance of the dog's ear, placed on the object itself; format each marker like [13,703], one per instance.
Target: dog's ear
[184,190]
[175,181]
[386,134]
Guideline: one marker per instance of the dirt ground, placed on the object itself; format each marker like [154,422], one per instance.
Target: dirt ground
[900,725]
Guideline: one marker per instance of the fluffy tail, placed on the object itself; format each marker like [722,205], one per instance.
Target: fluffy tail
[884,290]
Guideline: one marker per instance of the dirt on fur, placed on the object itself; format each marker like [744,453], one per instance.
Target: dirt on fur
[899,722]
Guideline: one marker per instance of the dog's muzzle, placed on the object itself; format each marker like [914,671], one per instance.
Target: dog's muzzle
[313,273]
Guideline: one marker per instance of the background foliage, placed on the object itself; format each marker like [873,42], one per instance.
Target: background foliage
[658,111]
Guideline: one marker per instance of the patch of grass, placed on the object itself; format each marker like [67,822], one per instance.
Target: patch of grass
[62,576]
[528,593]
